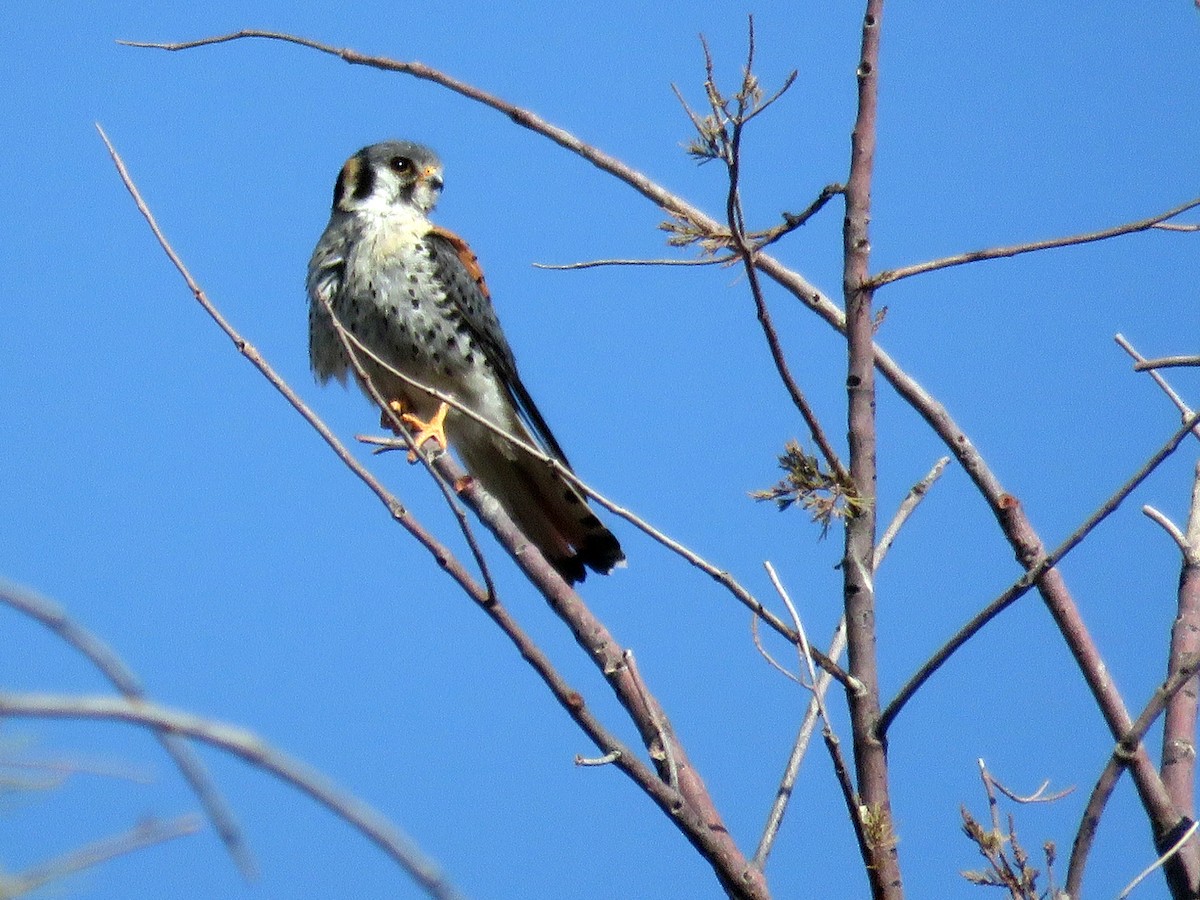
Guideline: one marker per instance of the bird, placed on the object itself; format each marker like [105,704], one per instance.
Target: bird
[412,294]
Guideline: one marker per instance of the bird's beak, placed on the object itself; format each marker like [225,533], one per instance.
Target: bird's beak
[432,177]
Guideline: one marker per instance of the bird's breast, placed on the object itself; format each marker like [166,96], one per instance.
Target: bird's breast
[396,303]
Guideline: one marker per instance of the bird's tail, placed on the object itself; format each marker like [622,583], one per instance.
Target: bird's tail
[548,509]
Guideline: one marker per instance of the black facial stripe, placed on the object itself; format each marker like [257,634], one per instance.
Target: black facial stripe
[364,184]
[339,189]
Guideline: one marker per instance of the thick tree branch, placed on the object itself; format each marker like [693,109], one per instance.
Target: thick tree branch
[1179,723]
[870,753]
[1127,749]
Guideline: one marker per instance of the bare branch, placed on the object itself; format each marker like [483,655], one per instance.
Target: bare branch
[804,649]
[721,134]
[596,263]
[145,834]
[522,117]
[858,588]
[1036,571]
[352,347]
[1166,362]
[832,744]
[1179,722]
[1038,796]
[1169,527]
[610,757]
[792,221]
[910,502]
[1124,753]
[53,617]
[893,275]
[1184,410]
[771,660]
[1160,862]
[664,750]
[837,644]
[252,749]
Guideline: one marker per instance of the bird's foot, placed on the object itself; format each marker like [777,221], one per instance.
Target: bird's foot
[434,429]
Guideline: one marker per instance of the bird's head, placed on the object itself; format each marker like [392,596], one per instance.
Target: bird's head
[393,173]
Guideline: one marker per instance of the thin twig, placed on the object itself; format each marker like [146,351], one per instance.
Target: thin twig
[803,649]
[914,496]
[53,617]
[729,147]
[1038,796]
[1169,527]
[1158,863]
[145,834]
[771,660]
[893,275]
[837,644]
[792,221]
[611,757]
[1166,362]
[252,749]
[664,741]
[1184,409]
[832,744]
[597,263]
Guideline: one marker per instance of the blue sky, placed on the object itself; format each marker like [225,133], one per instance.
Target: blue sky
[160,490]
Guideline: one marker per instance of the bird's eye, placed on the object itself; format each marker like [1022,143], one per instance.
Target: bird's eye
[401,165]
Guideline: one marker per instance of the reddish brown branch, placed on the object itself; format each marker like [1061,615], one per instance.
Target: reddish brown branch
[690,806]
[870,753]
[1179,724]
[1128,748]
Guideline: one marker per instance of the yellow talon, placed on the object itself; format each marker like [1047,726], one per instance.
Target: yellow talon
[434,429]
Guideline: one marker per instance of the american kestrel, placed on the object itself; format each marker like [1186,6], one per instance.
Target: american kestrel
[413,293]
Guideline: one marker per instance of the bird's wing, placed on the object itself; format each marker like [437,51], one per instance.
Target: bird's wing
[458,269]
[326,275]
